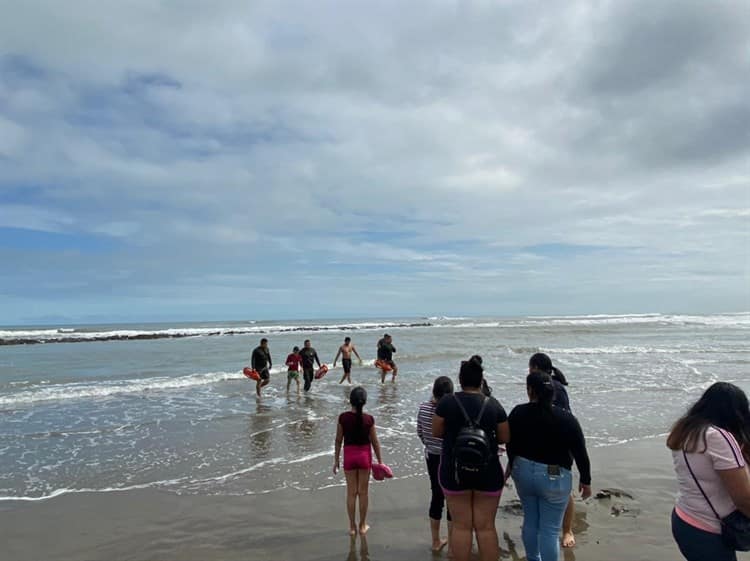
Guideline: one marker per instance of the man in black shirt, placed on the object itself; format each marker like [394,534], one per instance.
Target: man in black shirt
[385,354]
[309,358]
[261,363]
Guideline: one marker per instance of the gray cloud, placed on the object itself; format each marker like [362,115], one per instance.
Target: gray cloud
[438,141]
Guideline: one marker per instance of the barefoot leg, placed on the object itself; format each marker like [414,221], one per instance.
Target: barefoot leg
[364,499]
[351,499]
[568,538]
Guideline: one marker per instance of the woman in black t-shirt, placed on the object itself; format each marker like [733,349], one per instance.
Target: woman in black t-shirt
[546,440]
[472,500]
[356,431]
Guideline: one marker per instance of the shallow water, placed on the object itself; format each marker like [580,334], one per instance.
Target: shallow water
[177,414]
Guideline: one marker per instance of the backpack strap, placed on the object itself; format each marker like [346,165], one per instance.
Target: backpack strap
[684,455]
[481,411]
[466,415]
[462,408]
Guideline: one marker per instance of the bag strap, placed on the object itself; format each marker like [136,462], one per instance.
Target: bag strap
[481,411]
[684,455]
[466,415]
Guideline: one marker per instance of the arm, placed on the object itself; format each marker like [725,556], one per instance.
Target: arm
[317,359]
[268,356]
[503,432]
[375,444]
[337,453]
[338,354]
[737,482]
[580,455]
[354,350]
[254,361]
[438,426]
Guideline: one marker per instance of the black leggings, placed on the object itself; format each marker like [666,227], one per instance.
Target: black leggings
[308,374]
[438,499]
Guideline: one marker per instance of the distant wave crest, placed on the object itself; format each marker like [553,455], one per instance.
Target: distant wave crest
[38,336]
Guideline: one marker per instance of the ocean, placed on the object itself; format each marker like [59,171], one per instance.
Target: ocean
[122,407]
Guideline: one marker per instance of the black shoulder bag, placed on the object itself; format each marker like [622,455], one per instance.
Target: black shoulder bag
[735,528]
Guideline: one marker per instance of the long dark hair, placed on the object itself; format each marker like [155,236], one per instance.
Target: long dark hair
[540,383]
[442,386]
[543,363]
[358,398]
[722,405]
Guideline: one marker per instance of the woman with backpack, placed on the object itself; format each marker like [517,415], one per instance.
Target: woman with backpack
[356,430]
[545,440]
[711,450]
[471,426]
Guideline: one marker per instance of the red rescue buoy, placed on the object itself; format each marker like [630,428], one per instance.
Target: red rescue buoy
[322,371]
[383,365]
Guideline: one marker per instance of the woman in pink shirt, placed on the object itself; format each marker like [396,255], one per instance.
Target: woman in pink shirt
[710,449]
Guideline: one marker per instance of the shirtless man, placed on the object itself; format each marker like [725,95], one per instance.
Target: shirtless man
[345,351]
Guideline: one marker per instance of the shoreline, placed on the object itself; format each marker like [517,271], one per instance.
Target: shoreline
[311,525]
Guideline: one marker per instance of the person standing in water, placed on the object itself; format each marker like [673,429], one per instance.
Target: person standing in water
[345,351]
[293,363]
[261,363]
[309,357]
[433,448]
[356,430]
[385,354]
[541,362]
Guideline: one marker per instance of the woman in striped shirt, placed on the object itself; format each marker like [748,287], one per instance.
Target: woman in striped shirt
[433,449]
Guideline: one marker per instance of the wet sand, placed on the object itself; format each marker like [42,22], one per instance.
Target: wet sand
[300,525]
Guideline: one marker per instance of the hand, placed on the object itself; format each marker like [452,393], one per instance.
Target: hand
[334,365]
[336,467]
[360,362]
[585,491]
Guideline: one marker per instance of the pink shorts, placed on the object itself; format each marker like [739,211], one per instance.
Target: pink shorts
[357,456]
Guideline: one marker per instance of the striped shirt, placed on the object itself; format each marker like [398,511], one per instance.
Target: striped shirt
[432,445]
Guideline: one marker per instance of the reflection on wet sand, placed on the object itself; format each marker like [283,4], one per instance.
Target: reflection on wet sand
[260,427]
[388,399]
[364,554]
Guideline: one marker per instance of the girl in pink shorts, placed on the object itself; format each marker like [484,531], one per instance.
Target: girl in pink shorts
[356,430]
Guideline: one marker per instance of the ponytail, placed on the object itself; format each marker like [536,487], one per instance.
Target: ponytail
[559,376]
[358,398]
[543,363]
[540,384]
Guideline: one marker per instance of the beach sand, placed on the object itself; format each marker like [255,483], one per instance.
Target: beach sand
[302,525]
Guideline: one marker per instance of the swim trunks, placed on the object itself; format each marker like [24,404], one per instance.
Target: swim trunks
[293,374]
[347,364]
[357,456]
[264,374]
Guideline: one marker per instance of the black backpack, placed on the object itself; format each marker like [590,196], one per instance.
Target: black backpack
[471,450]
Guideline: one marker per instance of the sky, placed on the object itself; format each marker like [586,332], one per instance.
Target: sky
[190,160]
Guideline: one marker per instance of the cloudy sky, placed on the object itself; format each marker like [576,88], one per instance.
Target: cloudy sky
[175,160]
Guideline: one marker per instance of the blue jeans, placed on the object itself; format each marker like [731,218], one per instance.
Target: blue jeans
[697,545]
[544,498]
